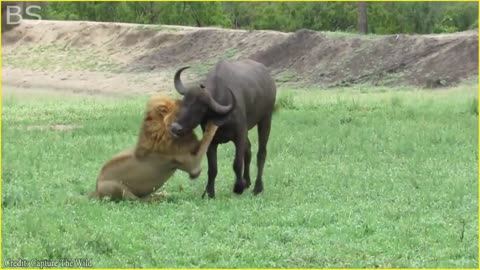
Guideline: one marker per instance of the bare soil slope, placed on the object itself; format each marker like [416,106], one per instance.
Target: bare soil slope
[119,58]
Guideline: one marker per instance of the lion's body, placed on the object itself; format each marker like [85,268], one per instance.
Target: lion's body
[140,176]
[139,172]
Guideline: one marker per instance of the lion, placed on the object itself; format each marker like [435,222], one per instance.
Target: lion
[135,174]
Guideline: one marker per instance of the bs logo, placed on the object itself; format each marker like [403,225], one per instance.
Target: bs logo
[13,14]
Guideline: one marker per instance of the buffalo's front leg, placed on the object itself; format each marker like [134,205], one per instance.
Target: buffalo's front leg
[240,145]
[212,170]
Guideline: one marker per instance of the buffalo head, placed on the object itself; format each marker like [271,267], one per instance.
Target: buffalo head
[197,104]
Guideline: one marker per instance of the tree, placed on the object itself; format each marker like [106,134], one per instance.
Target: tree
[383,17]
[362,18]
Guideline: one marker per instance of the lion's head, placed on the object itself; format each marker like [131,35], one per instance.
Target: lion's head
[155,135]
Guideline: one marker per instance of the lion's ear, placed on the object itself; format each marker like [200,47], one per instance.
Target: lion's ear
[148,117]
[162,109]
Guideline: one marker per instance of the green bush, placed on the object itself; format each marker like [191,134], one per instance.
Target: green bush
[383,17]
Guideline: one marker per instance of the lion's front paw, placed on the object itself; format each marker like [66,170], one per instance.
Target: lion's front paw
[195,174]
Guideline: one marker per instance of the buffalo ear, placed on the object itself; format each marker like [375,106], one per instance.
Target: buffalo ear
[219,120]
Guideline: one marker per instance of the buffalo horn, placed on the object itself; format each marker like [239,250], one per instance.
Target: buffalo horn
[221,109]
[178,83]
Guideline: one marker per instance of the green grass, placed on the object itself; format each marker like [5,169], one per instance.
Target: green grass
[203,66]
[354,178]
[351,35]
[157,28]
[284,77]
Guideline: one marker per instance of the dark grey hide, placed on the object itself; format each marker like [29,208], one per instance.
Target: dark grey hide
[237,96]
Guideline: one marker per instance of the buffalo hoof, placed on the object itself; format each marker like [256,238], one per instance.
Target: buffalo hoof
[247,184]
[258,188]
[239,187]
[211,194]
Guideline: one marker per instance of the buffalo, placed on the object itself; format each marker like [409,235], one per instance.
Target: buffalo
[236,96]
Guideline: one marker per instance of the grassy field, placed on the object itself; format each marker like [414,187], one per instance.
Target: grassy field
[354,178]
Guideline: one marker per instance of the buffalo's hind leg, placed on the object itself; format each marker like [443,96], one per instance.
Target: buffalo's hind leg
[246,164]
[240,150]
[263,134]
[212,171]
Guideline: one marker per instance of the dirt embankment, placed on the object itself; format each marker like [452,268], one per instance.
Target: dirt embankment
[88,56]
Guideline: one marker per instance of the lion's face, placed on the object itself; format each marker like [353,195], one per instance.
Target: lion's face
[155,134]
[160,113]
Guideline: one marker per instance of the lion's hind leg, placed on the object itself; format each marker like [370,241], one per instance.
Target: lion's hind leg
[114,190]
